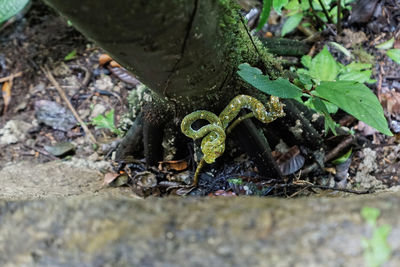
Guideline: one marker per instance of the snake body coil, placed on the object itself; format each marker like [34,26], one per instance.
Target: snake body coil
[213,145]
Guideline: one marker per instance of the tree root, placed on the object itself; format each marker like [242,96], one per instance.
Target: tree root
[132,144]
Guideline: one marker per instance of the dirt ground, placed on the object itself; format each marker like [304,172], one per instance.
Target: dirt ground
[36,130]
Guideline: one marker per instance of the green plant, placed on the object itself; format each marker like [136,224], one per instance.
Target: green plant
[376,250]
[106,122]
[391,52]
[326,86]
[9,8]
[297,11]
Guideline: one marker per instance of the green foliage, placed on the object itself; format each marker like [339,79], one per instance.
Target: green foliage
[280,87]
[296,10]
[291,23]
[376,250]
[343,158]
[71,55]
[386,45]
[394,54]
[266,9]
[357,100]
[9,8]
[106,122]
[327,85]
[235,181]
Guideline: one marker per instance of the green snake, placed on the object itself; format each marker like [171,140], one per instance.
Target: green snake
[213,145]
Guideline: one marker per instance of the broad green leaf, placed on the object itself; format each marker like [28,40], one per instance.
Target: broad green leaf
[321,108]
[306,61]
[293,5]
[71,55]
[357,100]
[291,23]
[9,8]
[343,158]
[304,5]
[357,76]
[266,9]
[278,4]
[324,67]
[394,54]
[357,66]
[386,45]
[280,87]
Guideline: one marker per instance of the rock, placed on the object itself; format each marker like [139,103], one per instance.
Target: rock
[98,109]
[104,231]
[54,115]
[13,132]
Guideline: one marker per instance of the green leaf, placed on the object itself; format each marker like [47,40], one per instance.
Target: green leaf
[386,45]
[278,4]
[280,87]
[71,55]
[394,54]
[343,158]
[106,121]
[306,61]
[357,76]
[357,100]
[9,8]
[321,108]
[266,9]
[293,5]
[324,67]
[357,66]
[291,23]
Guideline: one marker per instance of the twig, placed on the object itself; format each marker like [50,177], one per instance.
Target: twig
[339,17]
[10,77]
[43,152]
[332,154]
[49,76]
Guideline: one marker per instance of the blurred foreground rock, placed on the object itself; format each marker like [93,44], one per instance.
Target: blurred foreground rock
[102,229]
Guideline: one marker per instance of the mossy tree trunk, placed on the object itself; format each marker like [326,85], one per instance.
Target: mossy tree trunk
[187,53]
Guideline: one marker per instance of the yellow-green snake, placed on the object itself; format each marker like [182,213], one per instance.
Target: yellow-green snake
[213,145]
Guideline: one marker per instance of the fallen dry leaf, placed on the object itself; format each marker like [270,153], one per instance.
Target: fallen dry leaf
[391,102]
[176,165]
[104,59]
[6,93]
[109,177]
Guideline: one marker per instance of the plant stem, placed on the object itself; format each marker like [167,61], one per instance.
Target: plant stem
[197,173]
[339,18]
[325,11]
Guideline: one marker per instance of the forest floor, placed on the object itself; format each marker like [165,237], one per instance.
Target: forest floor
[37,126]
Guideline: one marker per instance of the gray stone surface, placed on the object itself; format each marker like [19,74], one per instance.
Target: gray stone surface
[103,231]
[62,219]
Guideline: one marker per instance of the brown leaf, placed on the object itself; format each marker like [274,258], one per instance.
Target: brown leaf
[109,177]
[396,44]
[365,129]
[391,102]
[104,59]
[176,165]
[6,92]
[115,64]
[291,161]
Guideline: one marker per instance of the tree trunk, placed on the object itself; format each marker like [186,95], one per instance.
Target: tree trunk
[186,52]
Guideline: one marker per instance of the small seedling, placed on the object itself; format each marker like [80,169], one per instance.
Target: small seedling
[106,122]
